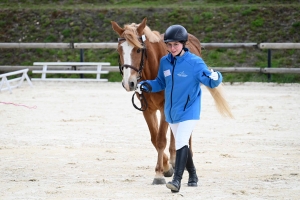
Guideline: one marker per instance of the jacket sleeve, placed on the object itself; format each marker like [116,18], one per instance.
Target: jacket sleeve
[158,83]
[202,75]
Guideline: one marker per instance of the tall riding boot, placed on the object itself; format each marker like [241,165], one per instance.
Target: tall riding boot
[180,163]
[193,179]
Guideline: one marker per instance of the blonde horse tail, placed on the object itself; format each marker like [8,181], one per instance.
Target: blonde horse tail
[220,101]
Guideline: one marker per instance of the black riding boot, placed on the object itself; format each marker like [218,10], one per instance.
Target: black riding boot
[193,179]
[180,163]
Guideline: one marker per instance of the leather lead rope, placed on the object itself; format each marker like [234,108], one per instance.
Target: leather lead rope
[144,103]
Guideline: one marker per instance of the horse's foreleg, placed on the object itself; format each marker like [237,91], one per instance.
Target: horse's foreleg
[190,143]
[163,160]
[158,142]
[172,149]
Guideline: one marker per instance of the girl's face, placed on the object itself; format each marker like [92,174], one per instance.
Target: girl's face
[174,47]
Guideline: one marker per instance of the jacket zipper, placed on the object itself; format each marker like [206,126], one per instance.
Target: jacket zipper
[172,90]
[187,101]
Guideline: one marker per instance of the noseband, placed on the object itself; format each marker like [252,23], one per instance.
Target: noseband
[144,55]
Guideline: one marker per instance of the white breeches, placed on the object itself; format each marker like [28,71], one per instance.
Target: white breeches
[182,132]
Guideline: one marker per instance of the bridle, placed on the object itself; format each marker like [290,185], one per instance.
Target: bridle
[144,103]
[143,56]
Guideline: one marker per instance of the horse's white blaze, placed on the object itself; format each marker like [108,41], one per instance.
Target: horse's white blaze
[127,48]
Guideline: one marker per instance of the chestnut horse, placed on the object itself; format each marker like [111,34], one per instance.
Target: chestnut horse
[140,50]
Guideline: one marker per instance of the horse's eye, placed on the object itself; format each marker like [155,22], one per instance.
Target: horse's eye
[138,51]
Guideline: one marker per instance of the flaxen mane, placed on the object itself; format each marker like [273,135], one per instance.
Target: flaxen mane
[130,35]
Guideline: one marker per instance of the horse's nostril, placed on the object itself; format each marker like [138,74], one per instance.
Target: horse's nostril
[131,84]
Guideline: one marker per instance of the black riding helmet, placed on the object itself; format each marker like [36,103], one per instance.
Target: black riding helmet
[176,33]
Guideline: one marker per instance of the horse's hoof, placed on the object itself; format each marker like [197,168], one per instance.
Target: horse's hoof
[169,173]
[159,181]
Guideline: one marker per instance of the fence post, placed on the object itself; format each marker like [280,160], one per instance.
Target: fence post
[269,64]
[81,59]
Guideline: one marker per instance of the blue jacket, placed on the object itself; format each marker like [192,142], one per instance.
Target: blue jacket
[180,77]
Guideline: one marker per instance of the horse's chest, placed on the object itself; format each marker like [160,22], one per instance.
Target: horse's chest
[155,100]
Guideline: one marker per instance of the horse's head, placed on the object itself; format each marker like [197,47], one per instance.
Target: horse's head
[132,52]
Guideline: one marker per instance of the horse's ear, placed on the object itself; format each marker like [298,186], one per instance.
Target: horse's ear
[142,26]
[117,28]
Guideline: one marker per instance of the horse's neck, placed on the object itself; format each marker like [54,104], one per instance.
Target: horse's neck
[154,54]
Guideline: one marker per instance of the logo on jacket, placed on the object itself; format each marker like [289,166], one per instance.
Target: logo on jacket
[182,74]
[167,73]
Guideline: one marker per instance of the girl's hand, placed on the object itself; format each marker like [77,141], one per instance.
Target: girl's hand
[214,75]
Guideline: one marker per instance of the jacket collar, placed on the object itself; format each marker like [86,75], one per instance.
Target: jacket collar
[171,59]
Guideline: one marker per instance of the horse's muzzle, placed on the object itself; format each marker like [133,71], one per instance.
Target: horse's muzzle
[131,86]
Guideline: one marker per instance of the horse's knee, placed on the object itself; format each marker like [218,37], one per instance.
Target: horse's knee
[162,143]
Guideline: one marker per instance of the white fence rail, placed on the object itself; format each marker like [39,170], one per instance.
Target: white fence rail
[36,45]
[7,68]
[279,45]
[14,82]
[45,65]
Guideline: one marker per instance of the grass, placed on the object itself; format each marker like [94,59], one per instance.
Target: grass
[90,4]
